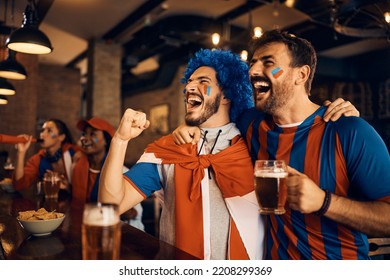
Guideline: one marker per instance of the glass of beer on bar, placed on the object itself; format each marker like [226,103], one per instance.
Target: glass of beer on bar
[270,186]
[101,232]
[51,185]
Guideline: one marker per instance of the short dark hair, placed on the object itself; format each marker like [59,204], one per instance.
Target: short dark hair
[302,51]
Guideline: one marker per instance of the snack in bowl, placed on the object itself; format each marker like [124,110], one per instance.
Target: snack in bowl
[40,222]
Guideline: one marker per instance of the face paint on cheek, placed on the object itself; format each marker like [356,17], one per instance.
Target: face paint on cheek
[206,90]
[95,139]
[277,72]
[53,135]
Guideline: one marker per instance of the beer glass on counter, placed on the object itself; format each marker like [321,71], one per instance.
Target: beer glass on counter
[101,232]
[270,186]
[51,185]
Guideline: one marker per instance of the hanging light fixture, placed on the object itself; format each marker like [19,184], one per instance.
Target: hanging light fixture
[3,100]
[387,17]
[28,38]
[257,32]
[6,88]
[215,37]
[244,55]
[10,68]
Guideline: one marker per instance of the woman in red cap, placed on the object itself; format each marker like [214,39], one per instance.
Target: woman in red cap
[95,142]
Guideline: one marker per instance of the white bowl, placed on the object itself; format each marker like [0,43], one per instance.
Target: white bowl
[41,227]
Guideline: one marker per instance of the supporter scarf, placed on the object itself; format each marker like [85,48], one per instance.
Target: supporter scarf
[234,176]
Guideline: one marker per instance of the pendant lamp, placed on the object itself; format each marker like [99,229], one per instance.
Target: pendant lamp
[6,88]
[3,100]
[28,38]
[10,68]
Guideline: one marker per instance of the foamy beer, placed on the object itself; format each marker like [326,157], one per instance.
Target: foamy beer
[51,185]
[101,232]
[270,186]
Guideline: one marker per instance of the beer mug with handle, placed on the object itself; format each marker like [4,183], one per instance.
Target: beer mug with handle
[270,186]
[101,232]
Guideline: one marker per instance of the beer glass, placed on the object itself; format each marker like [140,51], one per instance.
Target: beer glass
[9,169]
[270,186]
[51,185]
[101,232]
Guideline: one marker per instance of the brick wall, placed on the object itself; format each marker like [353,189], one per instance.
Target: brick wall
[59,96]
[49,91]
[104,81]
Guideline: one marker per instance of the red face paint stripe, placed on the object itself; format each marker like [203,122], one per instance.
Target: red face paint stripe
[204,90]
[278,74]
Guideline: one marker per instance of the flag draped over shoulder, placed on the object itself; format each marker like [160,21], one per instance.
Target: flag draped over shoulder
[233,171]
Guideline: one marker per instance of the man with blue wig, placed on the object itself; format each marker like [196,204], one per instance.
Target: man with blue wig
[209,207]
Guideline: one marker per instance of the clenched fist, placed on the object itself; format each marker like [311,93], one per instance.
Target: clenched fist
[131,125]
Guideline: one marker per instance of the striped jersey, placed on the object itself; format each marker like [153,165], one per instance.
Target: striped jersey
[347,157]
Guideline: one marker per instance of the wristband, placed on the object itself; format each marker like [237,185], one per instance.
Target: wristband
[325,205]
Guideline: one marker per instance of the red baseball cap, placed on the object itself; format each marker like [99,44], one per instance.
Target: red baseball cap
[97,123]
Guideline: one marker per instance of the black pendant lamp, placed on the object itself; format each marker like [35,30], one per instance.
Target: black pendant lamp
[28,38]
[3,100]
[10,68]
[6,88]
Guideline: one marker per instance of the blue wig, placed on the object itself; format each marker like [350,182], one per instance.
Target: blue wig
[232,77]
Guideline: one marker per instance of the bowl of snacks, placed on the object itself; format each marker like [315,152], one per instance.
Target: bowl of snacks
[40,222]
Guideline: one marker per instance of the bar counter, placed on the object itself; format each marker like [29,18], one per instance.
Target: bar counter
[65,242]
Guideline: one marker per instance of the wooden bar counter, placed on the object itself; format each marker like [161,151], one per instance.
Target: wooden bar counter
[65,242]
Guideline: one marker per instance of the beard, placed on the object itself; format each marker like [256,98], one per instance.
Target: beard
[279,97]
[210,108]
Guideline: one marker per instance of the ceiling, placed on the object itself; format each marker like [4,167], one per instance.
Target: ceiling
[156,32]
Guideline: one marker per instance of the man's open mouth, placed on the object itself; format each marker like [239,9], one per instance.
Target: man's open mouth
[260,84]
[193,101]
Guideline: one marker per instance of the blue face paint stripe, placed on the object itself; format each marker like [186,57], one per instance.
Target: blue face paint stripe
[276,70]
[95,139]
[208,90]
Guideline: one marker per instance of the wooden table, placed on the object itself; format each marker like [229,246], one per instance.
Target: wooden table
[65,242]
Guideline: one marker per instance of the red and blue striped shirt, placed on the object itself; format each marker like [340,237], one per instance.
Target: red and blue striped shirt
[347,157]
